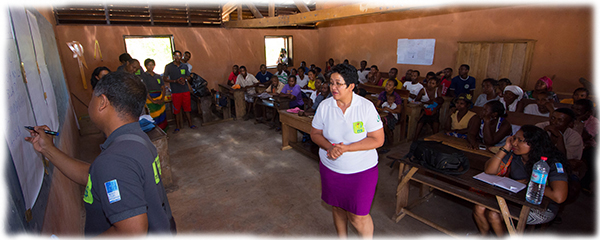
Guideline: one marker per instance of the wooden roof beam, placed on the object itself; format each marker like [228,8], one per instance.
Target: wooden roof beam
[352,10]
[271,8]
[254,10]
[301,6]
[227,9]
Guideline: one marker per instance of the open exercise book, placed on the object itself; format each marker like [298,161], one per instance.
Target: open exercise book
[503,182]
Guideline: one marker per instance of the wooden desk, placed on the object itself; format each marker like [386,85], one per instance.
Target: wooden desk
[159,139]
[290,124]
[238,99]
[458,143]
[519,119]
[412,114]
[458,186]
[378,89]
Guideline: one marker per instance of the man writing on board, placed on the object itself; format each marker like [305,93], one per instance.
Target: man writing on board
[124,194]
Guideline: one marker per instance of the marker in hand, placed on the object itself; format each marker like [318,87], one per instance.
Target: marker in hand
[46,131]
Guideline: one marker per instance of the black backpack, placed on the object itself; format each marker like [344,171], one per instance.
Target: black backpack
[199,85]
[438,157]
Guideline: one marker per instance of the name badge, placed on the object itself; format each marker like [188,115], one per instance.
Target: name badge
[358,127]
[112,191]
[559,168]
[182,71]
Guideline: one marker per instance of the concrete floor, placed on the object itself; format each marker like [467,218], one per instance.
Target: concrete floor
[232,179]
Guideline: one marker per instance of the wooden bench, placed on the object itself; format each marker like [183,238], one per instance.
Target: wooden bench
[518,119]
[516,208]
[238,98]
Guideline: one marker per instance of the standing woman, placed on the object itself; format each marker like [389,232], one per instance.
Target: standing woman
[155,100]
[348,129]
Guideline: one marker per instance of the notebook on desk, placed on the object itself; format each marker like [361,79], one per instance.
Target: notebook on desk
[503,182]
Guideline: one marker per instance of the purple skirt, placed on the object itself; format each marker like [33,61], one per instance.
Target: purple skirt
[351,192]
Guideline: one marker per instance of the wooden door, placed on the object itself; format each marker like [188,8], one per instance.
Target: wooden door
[503,59]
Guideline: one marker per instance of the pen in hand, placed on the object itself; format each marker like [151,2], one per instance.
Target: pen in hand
[46,131]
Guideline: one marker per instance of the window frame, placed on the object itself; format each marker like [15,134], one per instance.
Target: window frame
[170,36]
[289,47]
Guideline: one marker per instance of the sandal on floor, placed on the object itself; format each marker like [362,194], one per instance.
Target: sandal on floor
[176,130]
[193,127]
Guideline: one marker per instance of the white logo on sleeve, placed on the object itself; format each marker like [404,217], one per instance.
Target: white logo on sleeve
[112,191]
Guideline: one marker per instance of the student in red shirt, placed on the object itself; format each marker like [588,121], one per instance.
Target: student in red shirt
[233,75]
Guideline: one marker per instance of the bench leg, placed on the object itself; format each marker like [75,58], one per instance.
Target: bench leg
[506,215]
[288,134]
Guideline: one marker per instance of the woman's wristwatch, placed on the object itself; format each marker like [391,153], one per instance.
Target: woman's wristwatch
[504,150]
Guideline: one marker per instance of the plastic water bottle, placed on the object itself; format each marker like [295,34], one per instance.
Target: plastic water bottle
[217,96]
[537,183]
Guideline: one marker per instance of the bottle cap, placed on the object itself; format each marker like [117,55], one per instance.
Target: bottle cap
[544,158]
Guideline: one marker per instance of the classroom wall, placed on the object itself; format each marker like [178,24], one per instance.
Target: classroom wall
[214,50]
[563,48]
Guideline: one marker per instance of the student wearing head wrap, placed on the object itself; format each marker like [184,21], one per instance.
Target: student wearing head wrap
[512,95]
[543,85]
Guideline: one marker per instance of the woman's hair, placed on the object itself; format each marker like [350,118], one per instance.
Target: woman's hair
[95,73]
[497,107]
[394,81]
[292,76]
[540,145]
[491,81]
[348,72]
[313,71]
[506,80]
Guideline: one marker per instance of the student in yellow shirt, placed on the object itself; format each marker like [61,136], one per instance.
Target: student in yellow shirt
[580,93]
[393,75]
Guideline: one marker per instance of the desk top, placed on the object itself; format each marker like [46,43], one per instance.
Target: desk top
[467,180]
[459,143]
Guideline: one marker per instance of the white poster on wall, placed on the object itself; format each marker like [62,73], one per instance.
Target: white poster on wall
[28,162]
[415,51]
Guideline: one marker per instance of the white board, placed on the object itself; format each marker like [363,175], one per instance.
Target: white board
[46,82]
[415,51]
[28,163]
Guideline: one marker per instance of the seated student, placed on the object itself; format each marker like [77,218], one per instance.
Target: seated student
[312,76]
[428,76]
[247,81]
[302,78]
[374,76]
[511,98]
[389,90]
[393,73]
[318,82]
[406,77]
[97,74]
[502,83]
[235,71]
[281,74]
[514,160]
[542,107]
[494,129]
[322,95]
[391,119]
[431,97]
[155,101]
[124,59]
[579,93]
[414,86]
[293,92]
[457,125]
[567,140]
[445,77]
[294,72]
[303,66]
[463,83]
[319,73]
[488,88]
[363,72]
[313,67]
[543,85]
[263,75]
[587,126]
[274,88]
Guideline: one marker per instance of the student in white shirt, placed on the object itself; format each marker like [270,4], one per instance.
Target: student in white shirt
[248,81]
[302,78]
[543,106]
[363,72]
[414,86]
[348,129]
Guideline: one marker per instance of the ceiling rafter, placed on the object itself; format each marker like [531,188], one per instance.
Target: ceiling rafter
[351,10]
